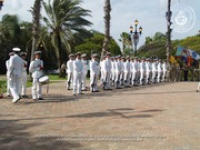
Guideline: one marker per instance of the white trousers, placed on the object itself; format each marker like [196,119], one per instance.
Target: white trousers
[93,81]
[84,76]
[164,77]
[159,76]
[127,78]
[147,76]
[134,77]
[23,83]
[154,73]
[36,89]
[142,76]
[69,79]
[8,86]
[106,79]
[15,86]
[77,82]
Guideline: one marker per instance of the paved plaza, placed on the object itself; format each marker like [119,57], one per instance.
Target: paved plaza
[164,116]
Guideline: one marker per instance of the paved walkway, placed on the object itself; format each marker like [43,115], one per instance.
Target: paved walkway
[157,117]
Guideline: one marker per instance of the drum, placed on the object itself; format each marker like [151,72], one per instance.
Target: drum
[44,80]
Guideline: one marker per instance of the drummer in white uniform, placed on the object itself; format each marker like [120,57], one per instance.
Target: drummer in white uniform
[7,74]
[36,68]
[24,75]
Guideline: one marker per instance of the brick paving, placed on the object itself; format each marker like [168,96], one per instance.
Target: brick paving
[157,117]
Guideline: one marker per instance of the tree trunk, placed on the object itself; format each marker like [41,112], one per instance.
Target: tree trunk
[36,26]
[107,10]
[169,46]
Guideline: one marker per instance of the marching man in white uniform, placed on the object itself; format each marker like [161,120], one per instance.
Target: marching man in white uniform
[15,70]
[106,68]
[134,71]
[118,72]
[70,71]
[142,71]
[94,72]
[85,71]
[77,75]
[24,75]
[159,68]
[154,70]
[127,72]
[8,74]
[148,70]
[36,68]
[165,71]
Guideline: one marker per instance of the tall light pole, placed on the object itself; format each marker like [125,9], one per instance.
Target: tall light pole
[135,35]
[1,4]
[169,30]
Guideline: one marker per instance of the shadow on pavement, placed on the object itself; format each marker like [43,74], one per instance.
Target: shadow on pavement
[14,136]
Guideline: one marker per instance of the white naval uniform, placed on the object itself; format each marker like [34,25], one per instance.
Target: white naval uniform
[148,71]
[8,78]
[118,73]
[77,76]
[24,78]
[159,68]
[69,73]
[36,68]
[122,73]
[127,73]
[134,72]
[15,70]
[142,72]
[106,68]
[102,71]
[138,72]
[154,71]
[165,70]
[94,72]
[113,71]
[85,72]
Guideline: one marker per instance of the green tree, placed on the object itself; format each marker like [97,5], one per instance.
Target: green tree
[94,45]
[126,42]
[65,19]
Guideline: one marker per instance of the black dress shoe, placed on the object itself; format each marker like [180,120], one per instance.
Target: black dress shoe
[40,99]
[24,96]
[96,91]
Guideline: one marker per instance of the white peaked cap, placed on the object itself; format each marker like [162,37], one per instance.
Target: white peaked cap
[16,49]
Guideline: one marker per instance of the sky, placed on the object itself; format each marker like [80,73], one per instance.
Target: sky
[149,13]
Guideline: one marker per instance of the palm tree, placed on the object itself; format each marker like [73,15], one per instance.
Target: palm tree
[10,30]
[107,10]
[65,19]
[126,42]
[36,25]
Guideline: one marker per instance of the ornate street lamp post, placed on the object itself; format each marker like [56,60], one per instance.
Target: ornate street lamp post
[199,32]
[135,35]
[1,4]
[169,30]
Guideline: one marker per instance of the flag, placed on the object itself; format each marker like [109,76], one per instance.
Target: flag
[193,54]
[172,59]
[179,50]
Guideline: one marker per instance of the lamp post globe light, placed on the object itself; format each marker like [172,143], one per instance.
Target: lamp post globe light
[135,35]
